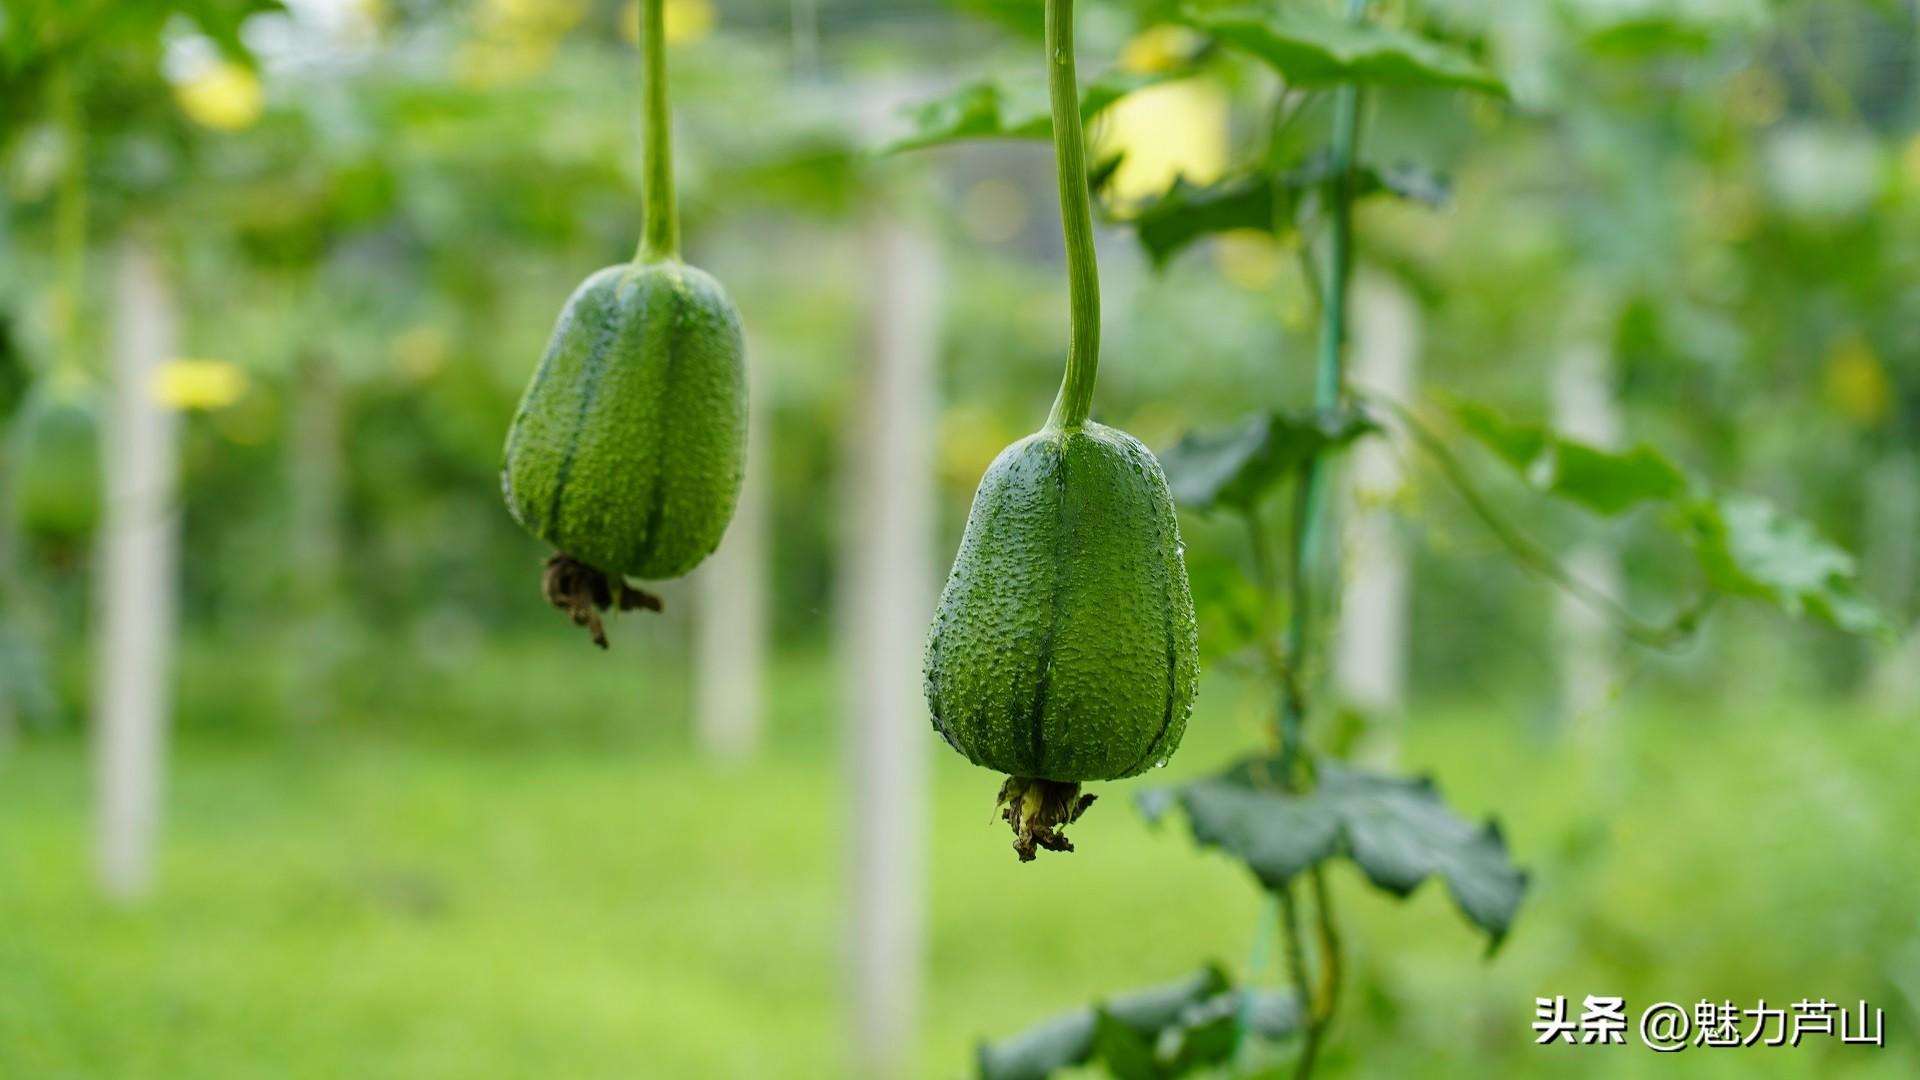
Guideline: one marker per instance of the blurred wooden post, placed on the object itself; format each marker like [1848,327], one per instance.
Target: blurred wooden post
[138,561]
[730,602]
[1585,408]
[1370,654]
[1892,569]
[887,574]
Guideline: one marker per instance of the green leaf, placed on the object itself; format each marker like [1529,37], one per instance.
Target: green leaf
[1075,1038]
[1207,1032]
[1266,201]
[1155,1007]
[1397,831]
[988,110]
[1606,482]
[1040,1051]
[1748,548]
[1691,26]
[1234,468]
[1125,1051]
[1744,546]
[1275,834]
[1313,49]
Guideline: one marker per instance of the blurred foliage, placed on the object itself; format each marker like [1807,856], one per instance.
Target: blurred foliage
[399,194]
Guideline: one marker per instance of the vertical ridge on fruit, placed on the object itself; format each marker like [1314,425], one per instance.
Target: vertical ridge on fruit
[628,449]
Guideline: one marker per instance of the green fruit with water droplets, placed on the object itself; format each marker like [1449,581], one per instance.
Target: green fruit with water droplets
[1064,648]
[629,446]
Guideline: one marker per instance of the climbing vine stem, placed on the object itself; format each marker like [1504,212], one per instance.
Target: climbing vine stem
[1327,391]
[1317,1003]
[660,229]
[1070,409]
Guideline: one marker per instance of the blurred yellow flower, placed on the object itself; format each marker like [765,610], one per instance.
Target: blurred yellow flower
[1856,381]
[199,384]
[687,21]
[491,62]
[1166,131]
[548,17]
[517,40]
[223,96]
[1157,49]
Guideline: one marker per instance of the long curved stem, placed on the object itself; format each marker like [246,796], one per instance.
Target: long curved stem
[1536,558]
[1070,409]
[660,232]
[1302,981]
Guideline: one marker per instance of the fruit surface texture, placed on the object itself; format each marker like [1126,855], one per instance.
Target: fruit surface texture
[1064,648]
[629,447]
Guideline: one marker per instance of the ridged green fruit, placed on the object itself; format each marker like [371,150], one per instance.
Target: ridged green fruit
[54,459]
[629,446]
[1064,648]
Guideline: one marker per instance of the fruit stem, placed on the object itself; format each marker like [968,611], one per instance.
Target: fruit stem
[1075,401]
[660,230]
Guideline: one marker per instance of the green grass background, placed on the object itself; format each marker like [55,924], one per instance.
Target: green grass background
[510,863]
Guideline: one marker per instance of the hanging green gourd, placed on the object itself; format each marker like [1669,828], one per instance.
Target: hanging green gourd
[629,446]
[1064,649]
[53,454]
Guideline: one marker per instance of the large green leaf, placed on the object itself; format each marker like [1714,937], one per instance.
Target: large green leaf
[1040,1051]
[1748,548]
[1236,467]
[1603,481]
[1152,1034]
[1124,1050]
[1310,48]
[1693,26]
[1264,201]
[1397,831]
[990,110]
[1207,1032]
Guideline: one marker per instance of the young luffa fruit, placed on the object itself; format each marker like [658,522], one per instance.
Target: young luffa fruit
[1064,648]
[629,446]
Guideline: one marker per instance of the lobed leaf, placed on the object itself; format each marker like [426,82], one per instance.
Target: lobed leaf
[1236,467]
[1744,545]
[1397,831]
[1310,48]
[1264,201]
[989,110]
[1606,482]
[1152,1034]
[1748,548]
